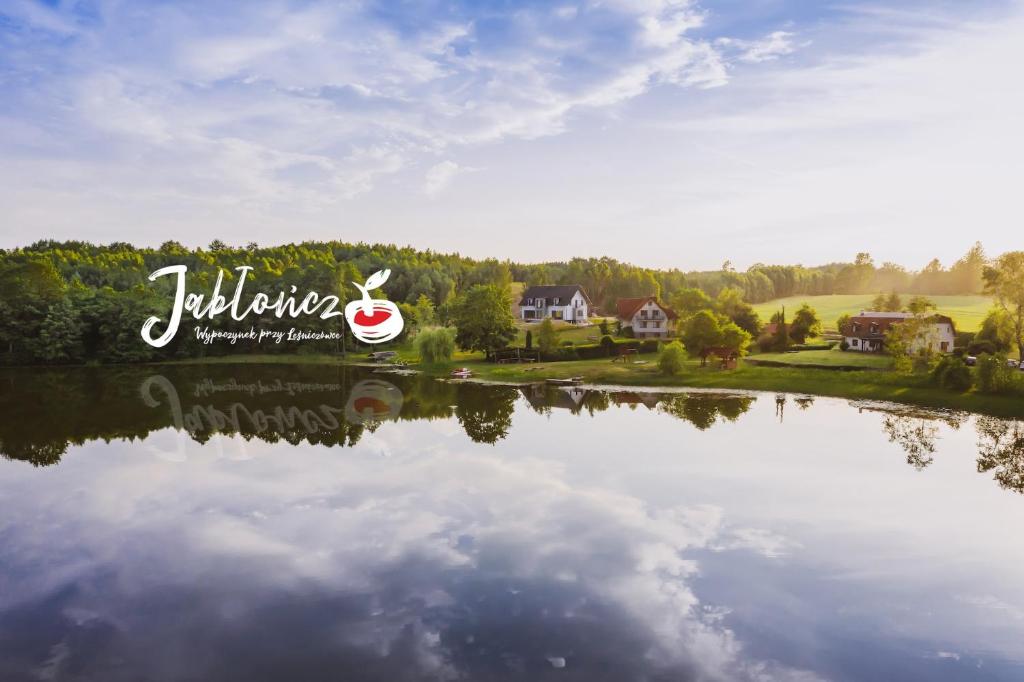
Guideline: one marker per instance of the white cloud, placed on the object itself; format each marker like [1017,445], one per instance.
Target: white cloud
[439,176]
[771,47]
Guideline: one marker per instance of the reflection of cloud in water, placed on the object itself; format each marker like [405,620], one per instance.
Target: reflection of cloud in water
[398,568]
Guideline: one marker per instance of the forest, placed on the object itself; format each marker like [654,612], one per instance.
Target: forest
[75,302]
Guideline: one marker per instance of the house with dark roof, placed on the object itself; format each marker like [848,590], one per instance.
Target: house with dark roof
[866,331]
[568,302]
[646,316]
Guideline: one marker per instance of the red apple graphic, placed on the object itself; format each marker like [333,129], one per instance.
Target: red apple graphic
[374,320]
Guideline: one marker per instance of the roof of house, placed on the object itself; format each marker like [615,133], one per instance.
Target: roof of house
[549,292]
[626,308]
[883,322]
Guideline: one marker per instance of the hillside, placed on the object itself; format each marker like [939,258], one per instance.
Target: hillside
[967,311]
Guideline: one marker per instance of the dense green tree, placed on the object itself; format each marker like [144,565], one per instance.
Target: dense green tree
[997,330]
[919,305]
[483,319]
[1004,280]
[700,332]
[735,338]
[424,311]
[689,301]
[805,324]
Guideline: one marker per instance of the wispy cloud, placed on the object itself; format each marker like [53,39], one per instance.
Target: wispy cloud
[271,105]
[439,176]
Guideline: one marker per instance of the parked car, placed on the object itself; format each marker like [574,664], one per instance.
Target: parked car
[970,360]
[1010,362]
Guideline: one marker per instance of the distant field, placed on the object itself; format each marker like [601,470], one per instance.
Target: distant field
[829,358]
[967,311]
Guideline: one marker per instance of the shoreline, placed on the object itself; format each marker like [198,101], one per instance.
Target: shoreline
[864,384]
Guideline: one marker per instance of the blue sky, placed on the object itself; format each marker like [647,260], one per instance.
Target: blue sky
[670,133]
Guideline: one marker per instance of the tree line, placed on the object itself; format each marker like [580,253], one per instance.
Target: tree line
[75,302]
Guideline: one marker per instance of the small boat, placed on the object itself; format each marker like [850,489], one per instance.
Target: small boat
[571,381]
[462,373]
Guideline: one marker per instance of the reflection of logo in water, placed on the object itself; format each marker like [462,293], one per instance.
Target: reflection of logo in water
[374,320]
[373,401]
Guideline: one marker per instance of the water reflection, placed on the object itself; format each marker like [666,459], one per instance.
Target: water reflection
[1001,451]
[43,412]
[515,533]
[46,411]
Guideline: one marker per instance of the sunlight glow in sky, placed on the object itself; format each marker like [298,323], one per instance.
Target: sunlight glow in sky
[668,133]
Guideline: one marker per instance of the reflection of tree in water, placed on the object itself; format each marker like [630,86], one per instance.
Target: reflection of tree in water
[804,402]
[703,411]
[917,433]
[1001,451]
[916,436]
[485,412]
[38,454]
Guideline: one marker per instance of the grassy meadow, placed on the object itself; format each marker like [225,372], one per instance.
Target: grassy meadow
[967,311]
[827,358]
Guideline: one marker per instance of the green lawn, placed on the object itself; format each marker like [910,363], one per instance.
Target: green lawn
[566,331]
[828,358]
[967,311]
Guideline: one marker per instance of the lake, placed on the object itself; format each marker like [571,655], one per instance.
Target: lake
[242,522]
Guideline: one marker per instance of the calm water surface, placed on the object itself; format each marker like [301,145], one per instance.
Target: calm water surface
[313,523]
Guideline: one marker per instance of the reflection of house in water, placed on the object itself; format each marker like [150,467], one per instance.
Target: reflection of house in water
[543,397]
[632,399]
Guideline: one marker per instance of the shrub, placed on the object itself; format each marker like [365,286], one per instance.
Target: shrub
[604,328]
[951,372]
[568,353]
[547,337]
[843,345]
[649,346]
[435,344]
[981,347]
[813,346]
[672,359]
[529,340]
[993,374]
[608,344]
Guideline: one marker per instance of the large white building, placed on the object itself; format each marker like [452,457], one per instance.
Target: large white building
[567,302]
[866,331]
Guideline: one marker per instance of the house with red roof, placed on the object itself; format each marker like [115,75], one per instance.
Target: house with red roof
[866,331]
[646,316]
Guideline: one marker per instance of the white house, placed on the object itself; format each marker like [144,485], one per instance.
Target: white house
[648,318]
[567,302]
[866,332]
